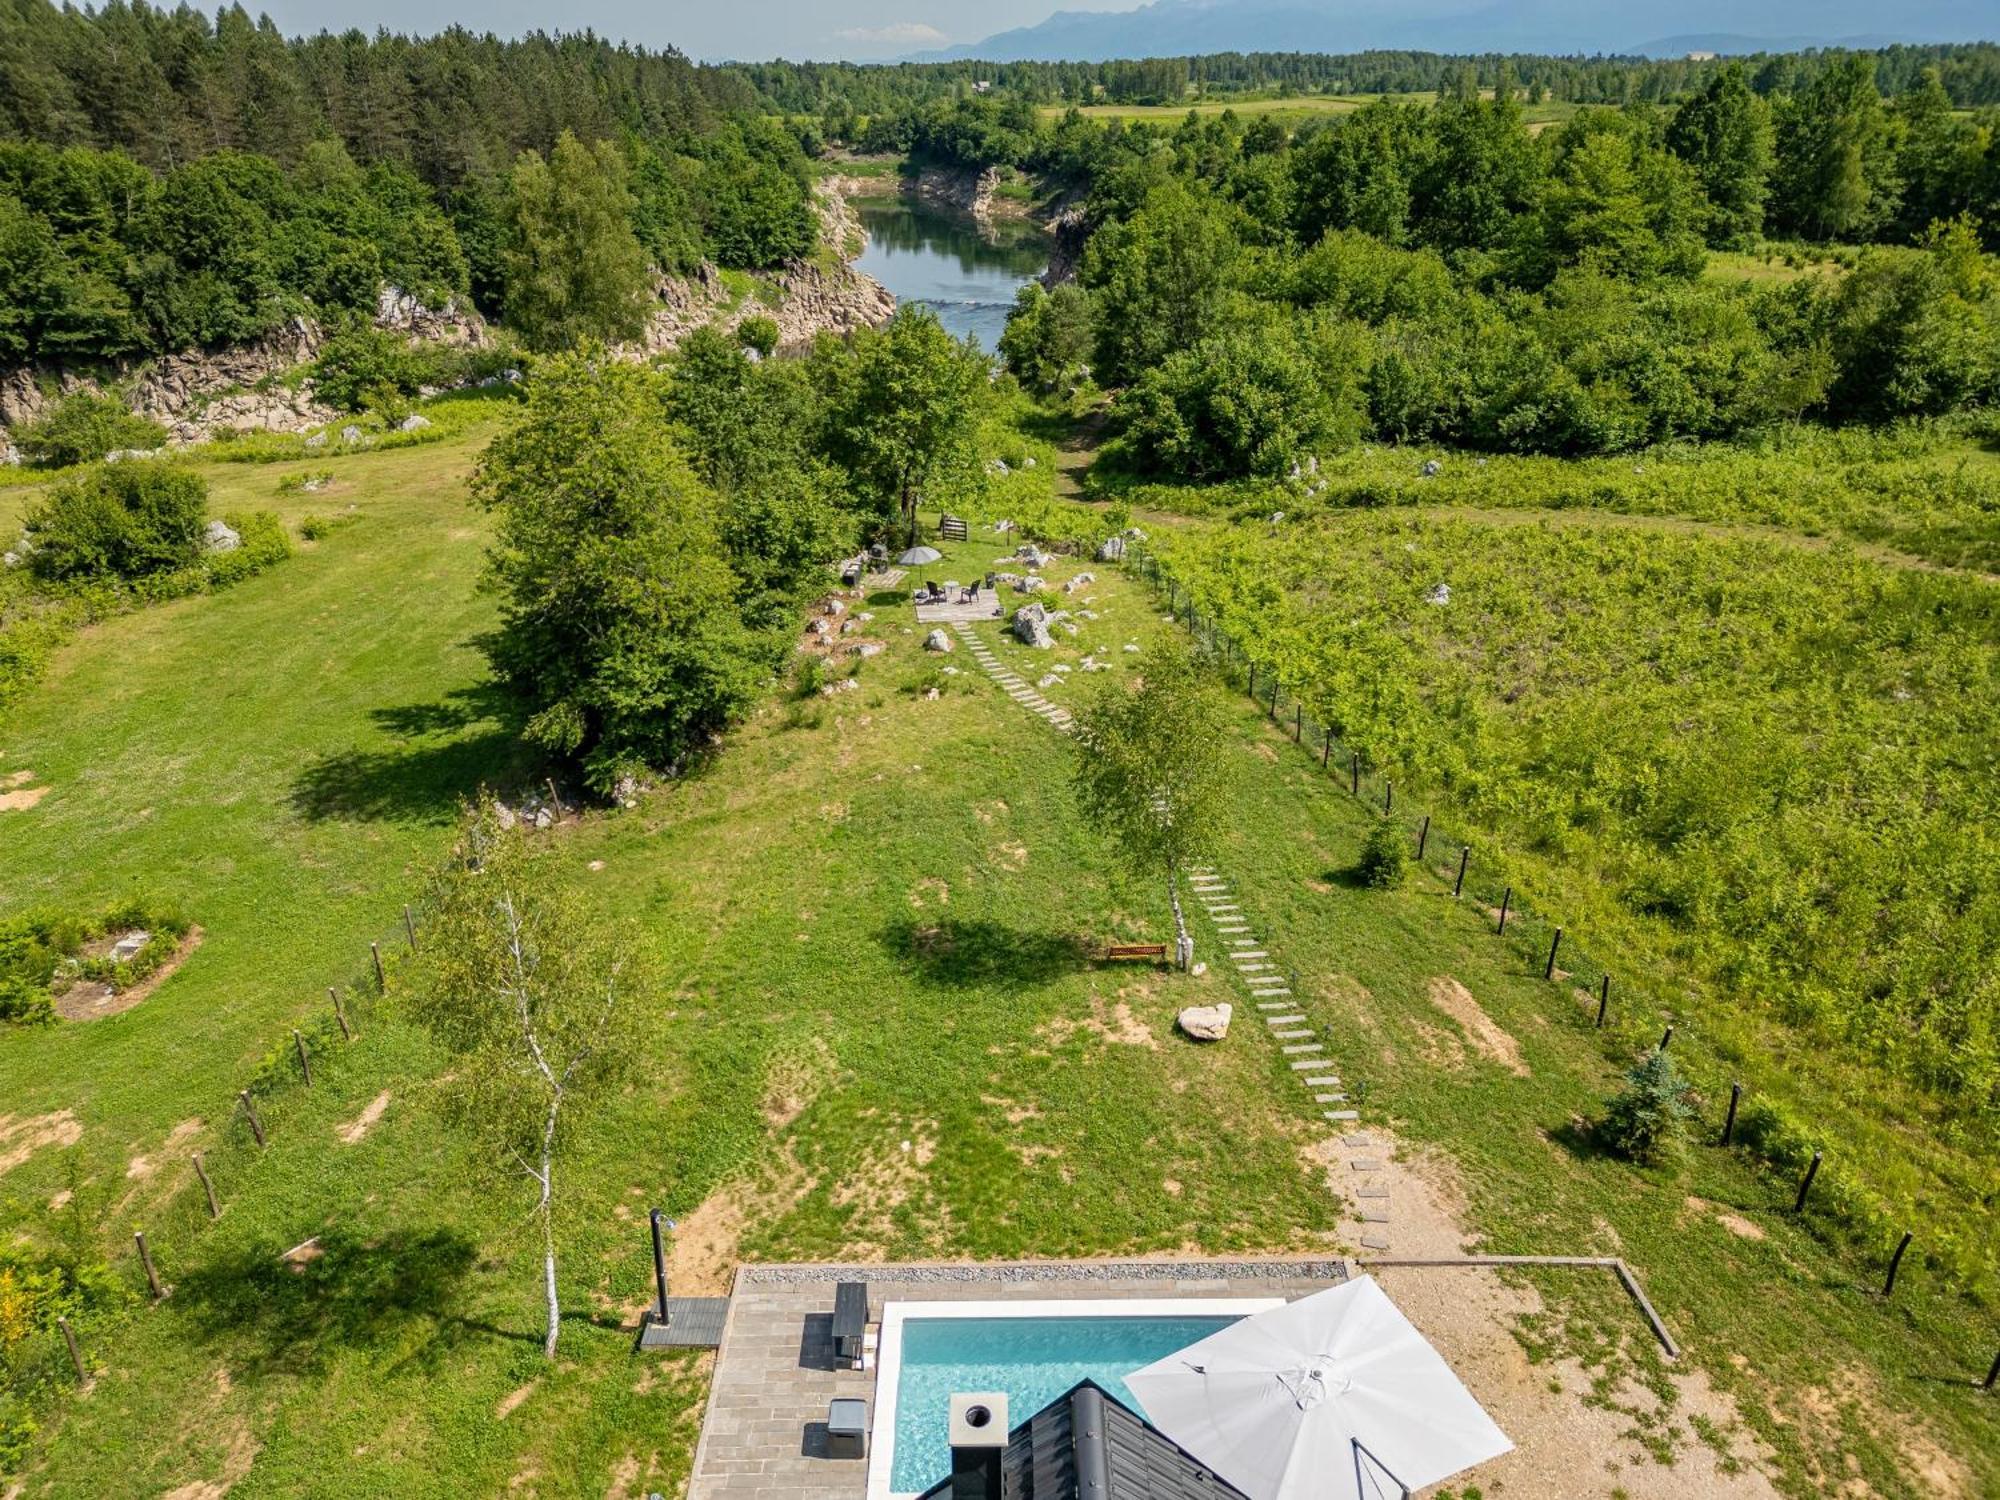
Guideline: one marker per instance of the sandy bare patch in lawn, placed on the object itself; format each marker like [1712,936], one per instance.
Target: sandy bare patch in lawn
[794,1079]
[1456,1001]
[1563,1448]
[139,1168]
[1852,1396]
[505,1407]
[1735,1223]
[703,1250]
[1114,1022]
[932,887]
[357,1128]
[889,1176]
[239,1446]
[92,999]
[1439,1048]
[16,793]
[22,1138]
[1012,856]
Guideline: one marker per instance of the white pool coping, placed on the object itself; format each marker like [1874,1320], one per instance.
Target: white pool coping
[889,1352]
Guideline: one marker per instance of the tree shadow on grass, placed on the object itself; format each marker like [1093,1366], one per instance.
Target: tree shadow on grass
[280,1316]
[467,739]
[964,954]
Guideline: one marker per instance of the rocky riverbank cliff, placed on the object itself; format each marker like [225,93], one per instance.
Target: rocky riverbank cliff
[199,393]
[805,298]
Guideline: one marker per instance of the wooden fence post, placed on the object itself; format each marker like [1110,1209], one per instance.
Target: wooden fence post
[1506,896]
[1992,1373]
[381,979]
[1326,749]
[1298,720]
[1603,999]
[409,923]
[1895,1263]
[1253,682]
[1388,798]
[554,799]
[1459,884]
[1806,1182]
[305,1059]
[1354,775]
[1423,835]
[1667,1037]
[146,1260]
[340,1014]
[1549,971]
[250,1113]
[214,1207]
[1729,1122]
[75,1354]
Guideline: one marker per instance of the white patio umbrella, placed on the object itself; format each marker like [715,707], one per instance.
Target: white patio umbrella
[916,557]
[1333,1397]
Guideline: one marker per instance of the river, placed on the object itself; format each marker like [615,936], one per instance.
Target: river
[945,261]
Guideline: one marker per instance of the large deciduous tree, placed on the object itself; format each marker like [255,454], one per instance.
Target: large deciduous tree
[1150,769]
[1836,175]
[575,269]
[908,399]
[620,624]
[1157,280]
[1723,133]
[533,1000]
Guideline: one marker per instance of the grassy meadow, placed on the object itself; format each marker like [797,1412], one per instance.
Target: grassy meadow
[882,1034]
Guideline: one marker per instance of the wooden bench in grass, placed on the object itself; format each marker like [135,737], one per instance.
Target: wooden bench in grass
[1136,953]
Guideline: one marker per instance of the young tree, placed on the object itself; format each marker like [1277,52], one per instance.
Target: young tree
[1151,769]
[1724,134]
[1647,1120]
[575,269]
[533,1000]
[909,410]
[620,624]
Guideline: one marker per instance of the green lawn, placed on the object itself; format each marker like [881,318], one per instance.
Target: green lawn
[883,1034]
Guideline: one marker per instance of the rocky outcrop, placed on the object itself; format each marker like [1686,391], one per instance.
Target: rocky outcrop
[455,323]
[811,299]
[961,189]
[199,393]
[1069,232]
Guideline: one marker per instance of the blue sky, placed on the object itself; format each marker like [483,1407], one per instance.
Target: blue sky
[712,29]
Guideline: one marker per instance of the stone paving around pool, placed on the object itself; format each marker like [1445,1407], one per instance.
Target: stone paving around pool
[764,1434]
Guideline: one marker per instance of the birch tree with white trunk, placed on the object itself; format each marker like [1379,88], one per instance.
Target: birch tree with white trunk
[533,999]
[1151,769]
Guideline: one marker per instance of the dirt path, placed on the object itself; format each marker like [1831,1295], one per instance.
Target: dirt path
[1078,451]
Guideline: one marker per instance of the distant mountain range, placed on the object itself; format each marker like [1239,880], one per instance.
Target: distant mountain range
[1174,28]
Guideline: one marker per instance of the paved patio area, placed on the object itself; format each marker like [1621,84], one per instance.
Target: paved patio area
[764,1434]
[987,607]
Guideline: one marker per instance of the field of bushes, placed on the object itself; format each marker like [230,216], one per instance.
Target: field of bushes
[1764,773]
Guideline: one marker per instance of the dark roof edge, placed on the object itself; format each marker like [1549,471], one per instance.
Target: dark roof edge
[1093,1443]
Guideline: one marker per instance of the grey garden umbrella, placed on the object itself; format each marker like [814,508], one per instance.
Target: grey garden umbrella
[916,557]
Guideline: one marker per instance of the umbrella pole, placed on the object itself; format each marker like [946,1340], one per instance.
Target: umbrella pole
[1402,1489]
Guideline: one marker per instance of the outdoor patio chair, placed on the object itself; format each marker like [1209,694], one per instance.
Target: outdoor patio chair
[969,594]
[936,593]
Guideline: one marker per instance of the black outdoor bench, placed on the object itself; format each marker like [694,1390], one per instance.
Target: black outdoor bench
[850,1320]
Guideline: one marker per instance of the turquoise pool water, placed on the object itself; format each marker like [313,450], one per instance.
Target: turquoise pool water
[1034,1360]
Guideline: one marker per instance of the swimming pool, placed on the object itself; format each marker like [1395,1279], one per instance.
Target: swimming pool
[1033,1351]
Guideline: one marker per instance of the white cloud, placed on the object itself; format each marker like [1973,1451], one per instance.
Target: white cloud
[897,34]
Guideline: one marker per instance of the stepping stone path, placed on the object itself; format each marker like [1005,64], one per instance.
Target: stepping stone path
[1264,979]
[1271,990]
[1011,682]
